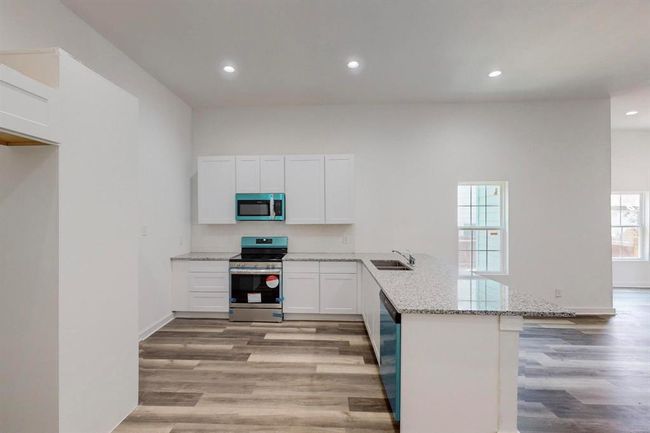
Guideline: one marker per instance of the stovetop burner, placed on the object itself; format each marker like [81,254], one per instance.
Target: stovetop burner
[277,257]
[262,249]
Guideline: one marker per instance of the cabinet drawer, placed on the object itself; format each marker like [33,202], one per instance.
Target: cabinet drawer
[338,267]
[209,266]
[208,282]
[206,301]
[300,267]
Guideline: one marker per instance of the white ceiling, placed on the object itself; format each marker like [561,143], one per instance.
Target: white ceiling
[295,51]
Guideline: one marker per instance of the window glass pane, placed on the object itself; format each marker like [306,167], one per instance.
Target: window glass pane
[630,209]
[630,200]
[478,195]
[493,195]
[481,239]
[616,216]
[464,216]
[480,261]
[493,216]
[494,240]
[493,261]
[465,240]
[465,260]
[481,216]
[630,243]
[464,195]
[616,242]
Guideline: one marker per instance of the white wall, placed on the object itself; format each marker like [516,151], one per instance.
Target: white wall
[29,271]
[98,252]
[162,146]
[631,172]
[409,158]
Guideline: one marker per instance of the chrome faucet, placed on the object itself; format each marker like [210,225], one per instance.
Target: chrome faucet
[408,256]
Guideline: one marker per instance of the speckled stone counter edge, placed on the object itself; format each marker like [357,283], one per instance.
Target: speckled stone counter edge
[399,298]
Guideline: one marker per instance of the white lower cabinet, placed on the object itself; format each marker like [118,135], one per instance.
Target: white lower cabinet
[200,286]
[320,287]
[370,308]
[338,293]
[209,301]
[301,292]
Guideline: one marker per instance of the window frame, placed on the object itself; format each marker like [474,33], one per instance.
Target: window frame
[643,226]
[503,228]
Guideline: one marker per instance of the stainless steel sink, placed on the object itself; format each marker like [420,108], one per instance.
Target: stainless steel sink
[390,265]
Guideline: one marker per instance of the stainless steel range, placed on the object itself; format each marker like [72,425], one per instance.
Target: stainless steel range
[256,279]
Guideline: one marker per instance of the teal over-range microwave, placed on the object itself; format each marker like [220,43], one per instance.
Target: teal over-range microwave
[260,207]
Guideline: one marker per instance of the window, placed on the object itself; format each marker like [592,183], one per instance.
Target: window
[628,226]
[482,227]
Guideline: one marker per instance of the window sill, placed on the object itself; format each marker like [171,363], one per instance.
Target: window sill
[630,260]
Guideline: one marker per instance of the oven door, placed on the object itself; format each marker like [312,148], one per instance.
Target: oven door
[255,288]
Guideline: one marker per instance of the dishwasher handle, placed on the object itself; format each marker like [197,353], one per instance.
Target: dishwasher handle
[390,308]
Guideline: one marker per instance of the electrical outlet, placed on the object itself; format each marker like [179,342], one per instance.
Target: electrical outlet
[558,293]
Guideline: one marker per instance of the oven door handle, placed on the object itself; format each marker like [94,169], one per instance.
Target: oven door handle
[240,271]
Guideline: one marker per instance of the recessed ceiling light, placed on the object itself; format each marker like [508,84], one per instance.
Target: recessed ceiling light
[494,74]
[631,113]
[229,69]
[353,64]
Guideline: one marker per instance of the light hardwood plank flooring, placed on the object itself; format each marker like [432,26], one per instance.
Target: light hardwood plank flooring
[207,376]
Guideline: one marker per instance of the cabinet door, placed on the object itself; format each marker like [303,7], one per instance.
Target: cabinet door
[300,292]
[216,190]
[272,173]
[180,285]
[370,308]
[305,189]
[248,174]
[338,293]
[26,108]
[339,189]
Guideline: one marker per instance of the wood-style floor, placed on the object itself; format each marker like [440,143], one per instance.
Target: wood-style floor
[588,375]
[209,376]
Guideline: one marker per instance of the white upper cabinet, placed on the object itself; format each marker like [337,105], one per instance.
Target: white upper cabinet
[26,112]
[272,173]
[305,189]
[216,189]
[260,174]
[248,174]
[339,189]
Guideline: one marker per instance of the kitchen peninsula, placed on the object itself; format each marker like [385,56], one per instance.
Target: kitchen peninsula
[454,356]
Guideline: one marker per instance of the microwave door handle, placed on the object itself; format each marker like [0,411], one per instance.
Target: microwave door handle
[272,204]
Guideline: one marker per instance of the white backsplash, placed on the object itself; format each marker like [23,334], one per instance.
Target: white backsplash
[302,238]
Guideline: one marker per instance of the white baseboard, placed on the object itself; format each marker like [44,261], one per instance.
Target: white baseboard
[324,317]
[633,285]
[585,311]
[146,333]
[199,315]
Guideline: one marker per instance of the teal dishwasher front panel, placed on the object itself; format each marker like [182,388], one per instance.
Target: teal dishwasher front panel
[390,338]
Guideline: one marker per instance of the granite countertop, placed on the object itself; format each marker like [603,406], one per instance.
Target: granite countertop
[435,287]
[324,257]
[432,287]
[205,256]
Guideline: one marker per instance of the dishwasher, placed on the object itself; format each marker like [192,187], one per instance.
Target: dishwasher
[390,336]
